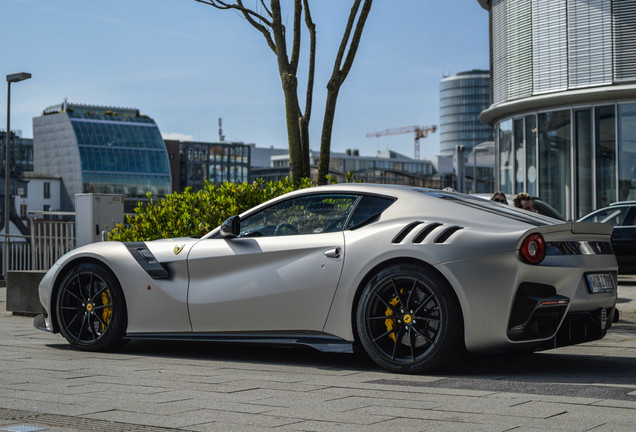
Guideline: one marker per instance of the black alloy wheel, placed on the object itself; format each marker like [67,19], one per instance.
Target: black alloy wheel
[91,310]
[409,321]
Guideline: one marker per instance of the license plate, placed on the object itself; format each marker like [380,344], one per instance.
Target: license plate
[600,282]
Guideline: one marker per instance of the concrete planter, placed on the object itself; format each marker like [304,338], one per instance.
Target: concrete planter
[22,291]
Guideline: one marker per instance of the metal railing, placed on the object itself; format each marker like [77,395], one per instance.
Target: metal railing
[49,240]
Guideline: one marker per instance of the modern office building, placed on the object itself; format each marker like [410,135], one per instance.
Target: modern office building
[101,149]
[214,162]
[461,98]
[563,100]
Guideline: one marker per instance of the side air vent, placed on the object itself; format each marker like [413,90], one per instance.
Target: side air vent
[445,235]
[425,232]
[405,231]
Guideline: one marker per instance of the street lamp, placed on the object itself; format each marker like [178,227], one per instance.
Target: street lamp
[11,78]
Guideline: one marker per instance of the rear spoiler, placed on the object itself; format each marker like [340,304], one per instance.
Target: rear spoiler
[592,228]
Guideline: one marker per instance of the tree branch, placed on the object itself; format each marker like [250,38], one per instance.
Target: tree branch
[345,38]
[251,16]
[298,8]
[355,42]
[266,9]
[312,61]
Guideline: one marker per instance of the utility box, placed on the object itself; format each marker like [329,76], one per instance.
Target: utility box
[95,215]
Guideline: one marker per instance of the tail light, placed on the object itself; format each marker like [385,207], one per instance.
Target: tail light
[533,249]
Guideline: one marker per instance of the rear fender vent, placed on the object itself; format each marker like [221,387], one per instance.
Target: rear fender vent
[405,231]
[445,235]
[419,238]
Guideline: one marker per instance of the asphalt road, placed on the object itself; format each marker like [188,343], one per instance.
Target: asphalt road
[159,386]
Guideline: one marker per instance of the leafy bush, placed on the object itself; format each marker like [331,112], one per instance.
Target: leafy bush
[196,213]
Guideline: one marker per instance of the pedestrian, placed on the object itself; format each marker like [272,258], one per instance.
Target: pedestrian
[499,197]
[524,201]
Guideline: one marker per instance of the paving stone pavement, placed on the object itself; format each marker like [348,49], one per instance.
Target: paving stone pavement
[159,386]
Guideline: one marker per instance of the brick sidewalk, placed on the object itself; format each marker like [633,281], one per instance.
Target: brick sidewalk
[155,386]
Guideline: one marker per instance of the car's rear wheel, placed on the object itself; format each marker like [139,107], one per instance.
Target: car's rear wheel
[91,310]
[409,321]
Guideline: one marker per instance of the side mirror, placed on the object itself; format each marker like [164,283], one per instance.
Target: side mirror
[231,228]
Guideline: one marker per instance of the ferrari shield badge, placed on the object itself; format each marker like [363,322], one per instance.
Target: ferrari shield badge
[178,249]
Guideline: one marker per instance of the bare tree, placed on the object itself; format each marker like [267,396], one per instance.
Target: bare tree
[267,19]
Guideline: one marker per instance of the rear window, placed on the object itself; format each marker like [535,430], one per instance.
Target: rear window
[492,207]
[368,210]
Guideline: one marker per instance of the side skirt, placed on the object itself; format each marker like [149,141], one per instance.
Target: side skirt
[321,342]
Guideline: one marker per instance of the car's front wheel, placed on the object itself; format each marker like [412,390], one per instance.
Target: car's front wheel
[408,320]
[90,308]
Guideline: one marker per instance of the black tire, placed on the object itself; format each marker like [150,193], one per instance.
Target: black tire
[409,321]
[91,310]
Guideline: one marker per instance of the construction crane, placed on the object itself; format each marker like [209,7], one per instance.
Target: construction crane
[419,131]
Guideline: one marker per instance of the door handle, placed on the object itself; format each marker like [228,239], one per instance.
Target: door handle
[333,253]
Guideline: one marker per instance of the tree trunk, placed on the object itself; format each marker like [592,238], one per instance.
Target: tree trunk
[292,114]
[333,89]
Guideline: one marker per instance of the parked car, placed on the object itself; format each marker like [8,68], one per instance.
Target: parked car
[414,276]
[622,215]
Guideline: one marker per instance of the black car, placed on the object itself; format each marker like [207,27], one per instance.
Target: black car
[622,215]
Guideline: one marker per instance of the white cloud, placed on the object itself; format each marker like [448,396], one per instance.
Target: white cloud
[177,136]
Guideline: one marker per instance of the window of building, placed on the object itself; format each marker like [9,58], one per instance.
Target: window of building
[505,157]
[46,207]
[23,210]
[605,156]
[627,152]
[583,148]
[520,166]
[554,159]
[531,154]
[47,190]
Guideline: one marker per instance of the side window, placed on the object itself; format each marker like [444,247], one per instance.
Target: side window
[309,214]
[368,210]
[611,215]
[630,219]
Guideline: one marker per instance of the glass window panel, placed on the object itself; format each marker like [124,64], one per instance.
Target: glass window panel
[505,156]
[554,160]
[531,155]
[520,167]
[605,156]
[583,145]
[627,152]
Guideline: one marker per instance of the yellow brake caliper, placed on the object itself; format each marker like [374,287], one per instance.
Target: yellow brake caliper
[107,311]
[390,323]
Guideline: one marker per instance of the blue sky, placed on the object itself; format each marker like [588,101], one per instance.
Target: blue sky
[186,64]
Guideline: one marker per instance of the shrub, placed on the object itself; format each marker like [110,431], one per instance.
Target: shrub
[196,213]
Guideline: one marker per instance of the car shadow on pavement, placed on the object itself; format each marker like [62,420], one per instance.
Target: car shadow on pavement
[542,367]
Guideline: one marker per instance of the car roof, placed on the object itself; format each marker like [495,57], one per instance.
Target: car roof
[617,203]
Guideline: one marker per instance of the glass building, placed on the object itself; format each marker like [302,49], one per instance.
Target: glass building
[462,98]
[101,149]
[564,100]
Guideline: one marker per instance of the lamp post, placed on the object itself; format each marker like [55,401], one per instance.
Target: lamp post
[11,78]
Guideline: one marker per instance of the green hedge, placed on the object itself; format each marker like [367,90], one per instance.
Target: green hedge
[196,213]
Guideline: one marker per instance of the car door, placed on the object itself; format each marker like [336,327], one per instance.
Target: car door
[624,242]
[279,274]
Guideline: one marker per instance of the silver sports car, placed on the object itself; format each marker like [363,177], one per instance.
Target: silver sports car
[413,276]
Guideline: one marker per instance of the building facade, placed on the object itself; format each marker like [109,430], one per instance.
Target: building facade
[42,194]
[101,149]
[214,162]
[461,98]
[387,167]
[563,100]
